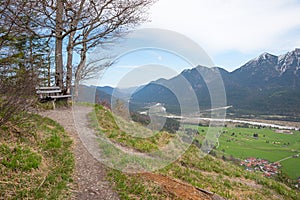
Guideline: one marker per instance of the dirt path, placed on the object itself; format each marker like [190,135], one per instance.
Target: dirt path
[180,189]
[90,174]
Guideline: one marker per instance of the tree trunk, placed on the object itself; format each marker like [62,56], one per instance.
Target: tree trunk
[79,71]
[49,71]
[59,44]
[70,49]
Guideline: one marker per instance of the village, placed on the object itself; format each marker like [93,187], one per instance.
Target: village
[256,164]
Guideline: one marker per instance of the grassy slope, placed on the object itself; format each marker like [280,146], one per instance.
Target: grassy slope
[36,161]
[208,172]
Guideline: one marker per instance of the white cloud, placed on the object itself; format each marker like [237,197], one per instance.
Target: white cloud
[222,25]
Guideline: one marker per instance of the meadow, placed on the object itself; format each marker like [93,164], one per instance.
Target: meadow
[240,143]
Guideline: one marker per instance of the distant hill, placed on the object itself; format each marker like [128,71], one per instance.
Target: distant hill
[268,84]
[104,94]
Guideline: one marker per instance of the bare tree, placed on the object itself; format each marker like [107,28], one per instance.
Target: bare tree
[96,23]
[93,68]
[47,20]
[82,24]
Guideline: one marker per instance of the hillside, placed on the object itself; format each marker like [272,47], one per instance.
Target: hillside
[36,161]
[192,169]
[266,85]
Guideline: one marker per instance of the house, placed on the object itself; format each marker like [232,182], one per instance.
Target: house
[284,131]
[253,164]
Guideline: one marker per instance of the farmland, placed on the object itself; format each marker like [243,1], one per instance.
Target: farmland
[268,144]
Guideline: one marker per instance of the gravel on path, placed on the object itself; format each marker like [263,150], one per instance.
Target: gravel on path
[90,175]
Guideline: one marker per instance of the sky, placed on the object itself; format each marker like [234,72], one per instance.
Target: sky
[232,31]
[150,54]
[184,34]
[152,64]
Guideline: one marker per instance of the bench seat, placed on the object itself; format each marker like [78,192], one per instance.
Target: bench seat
[60,96]
[47,91]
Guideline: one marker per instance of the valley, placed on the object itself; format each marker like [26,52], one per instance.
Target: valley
[149,100]
[219,172]
[264,86]
[239,142]
[257,149]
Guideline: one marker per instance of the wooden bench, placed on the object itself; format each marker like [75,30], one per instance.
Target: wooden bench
[50,94]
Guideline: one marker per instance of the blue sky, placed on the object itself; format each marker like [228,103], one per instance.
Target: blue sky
[142,66]
[149,54]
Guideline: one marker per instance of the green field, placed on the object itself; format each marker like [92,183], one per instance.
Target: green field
[240,143]
[192,167]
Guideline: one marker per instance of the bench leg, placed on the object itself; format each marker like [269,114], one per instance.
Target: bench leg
[53,104]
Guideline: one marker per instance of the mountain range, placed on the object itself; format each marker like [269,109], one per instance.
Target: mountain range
[266,85]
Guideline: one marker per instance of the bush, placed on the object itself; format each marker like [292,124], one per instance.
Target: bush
[17,90]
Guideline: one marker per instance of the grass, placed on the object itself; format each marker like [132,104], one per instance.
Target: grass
[291,167]
[207,172]
[133,186]
[48,105]
[240,143]
[19,158]
[123,132]
[133,153]
[225,179]
[36,161]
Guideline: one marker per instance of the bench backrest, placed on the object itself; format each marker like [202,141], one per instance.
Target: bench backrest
[51,93]
[45,92]
[48,88]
